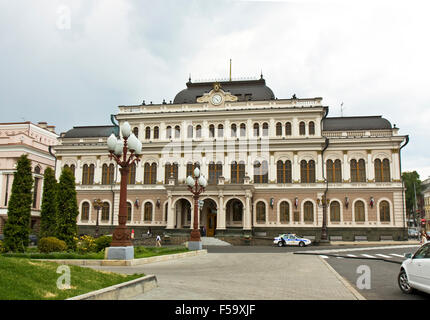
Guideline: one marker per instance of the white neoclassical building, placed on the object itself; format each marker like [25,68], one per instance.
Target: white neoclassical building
[269,161]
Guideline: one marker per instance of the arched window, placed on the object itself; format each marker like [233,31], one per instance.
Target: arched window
[177,131]
[88,174]
[147,216]
[261,212]
[149,173]
[169,132]
[128,211]
[265,129]
[136,132]
[237,172]
[108,173]
[334,171]
[211,131]
[311,128]
[85,211]
[220,130]
[132,174]
[37,170]
[279,129]
[256,129]
[382,170]
[242,130]
[261,172]
[307,171]
[198,131]
[215,171]
[105,211]
[358,171]
[71,168]
[384,211]
[288,129]
[302,128]
[308,215]
[147,133]
[190,131]
[191,167]
[359,214]
[233,130]
[284,212]
[170,170]
[334,211]
[284,171]
[156,132]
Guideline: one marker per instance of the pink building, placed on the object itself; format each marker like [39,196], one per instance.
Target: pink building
[25,138]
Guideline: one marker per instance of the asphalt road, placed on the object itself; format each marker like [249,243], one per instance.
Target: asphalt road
[383,273]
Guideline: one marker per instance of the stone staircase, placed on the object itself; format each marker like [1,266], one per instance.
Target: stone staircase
[212,241]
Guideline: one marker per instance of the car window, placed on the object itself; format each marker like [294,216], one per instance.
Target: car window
[423,252]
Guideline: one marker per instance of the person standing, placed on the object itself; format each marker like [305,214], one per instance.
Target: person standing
[158,241]
[423,236]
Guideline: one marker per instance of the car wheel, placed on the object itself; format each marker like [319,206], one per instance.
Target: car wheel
[404,283]
[280,244]
[301,244]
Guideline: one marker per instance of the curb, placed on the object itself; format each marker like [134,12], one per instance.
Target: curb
[133,262]
[121,291]
[344,281]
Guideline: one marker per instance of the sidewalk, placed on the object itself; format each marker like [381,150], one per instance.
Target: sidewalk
[380,243]
[220,276]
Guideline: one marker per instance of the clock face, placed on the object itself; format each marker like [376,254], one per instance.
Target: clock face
[216,99]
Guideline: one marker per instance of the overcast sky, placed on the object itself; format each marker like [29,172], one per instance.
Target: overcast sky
[72,70]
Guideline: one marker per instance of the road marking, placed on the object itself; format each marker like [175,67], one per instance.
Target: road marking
[383,255]
[397,255]
[389,247]
[339,257]
[324,257]
[367,255]
[351,255]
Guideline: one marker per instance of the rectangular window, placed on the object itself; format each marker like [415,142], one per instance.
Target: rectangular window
[36,187]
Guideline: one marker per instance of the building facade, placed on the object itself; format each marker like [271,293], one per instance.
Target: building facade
[426,197]
[31,139]
[268,161]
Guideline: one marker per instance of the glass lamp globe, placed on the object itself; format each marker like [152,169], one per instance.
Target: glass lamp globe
[138,150]
[196,172]
[111,142]
[132,142]
[190,181]
[125,129]
[118,148]
[202,181]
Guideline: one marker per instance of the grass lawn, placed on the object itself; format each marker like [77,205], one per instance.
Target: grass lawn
[139,252]
[24,279]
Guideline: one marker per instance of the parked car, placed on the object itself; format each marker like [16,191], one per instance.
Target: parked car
[291,239]
[415,271]
[413,233]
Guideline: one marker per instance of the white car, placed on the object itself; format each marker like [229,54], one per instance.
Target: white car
[291,240]
[415,271]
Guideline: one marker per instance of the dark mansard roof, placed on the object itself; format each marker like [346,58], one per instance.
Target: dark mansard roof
[91,132]
[254,90]
[356,123]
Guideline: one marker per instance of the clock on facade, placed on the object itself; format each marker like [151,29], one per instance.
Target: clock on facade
[216,99]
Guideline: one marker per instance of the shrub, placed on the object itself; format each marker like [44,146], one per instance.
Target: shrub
[103,242]
[2,247]
[51,244]
[86,244]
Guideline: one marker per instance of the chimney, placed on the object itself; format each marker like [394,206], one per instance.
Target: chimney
[42,124]
[51,128]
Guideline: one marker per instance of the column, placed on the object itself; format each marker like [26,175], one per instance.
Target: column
[272,169]
[221,213]
[296,168]
[170,213]
[181,170]
[1,189]
[250,168]
[78,171]
[58,168]
[227,169]
[319,165]
[247,225]
[370,168]
[395,168]
[346,169]
[98,172]
[139,171]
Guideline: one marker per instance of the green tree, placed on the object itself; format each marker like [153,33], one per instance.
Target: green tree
[67,209]
[48,214]
[410,179]
[17,227]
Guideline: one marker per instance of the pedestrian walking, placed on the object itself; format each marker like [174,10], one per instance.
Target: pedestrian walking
[149,233]
[158,241]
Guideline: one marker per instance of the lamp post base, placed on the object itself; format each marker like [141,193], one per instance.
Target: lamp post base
[119,253]
[194,245]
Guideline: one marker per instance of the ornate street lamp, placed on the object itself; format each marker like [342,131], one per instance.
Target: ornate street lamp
[121,247]
[98,204]
[196,185]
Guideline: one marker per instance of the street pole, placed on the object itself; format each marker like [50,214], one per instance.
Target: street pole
[98,204]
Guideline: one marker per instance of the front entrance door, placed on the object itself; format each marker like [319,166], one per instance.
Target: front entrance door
[211,224]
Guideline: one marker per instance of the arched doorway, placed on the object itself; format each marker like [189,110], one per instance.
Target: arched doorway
[208,216]
[234,213]
[182,214]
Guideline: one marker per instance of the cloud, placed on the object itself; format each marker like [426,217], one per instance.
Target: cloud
[370,55]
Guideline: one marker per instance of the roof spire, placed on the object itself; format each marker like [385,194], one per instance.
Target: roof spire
[230,69]
[261,74]
[189,78]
